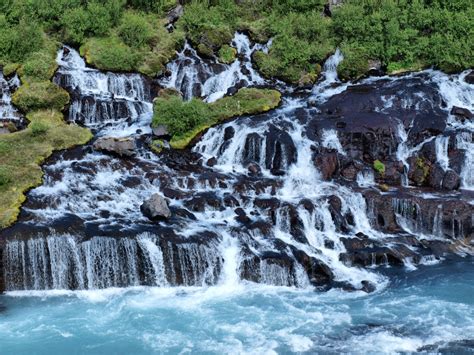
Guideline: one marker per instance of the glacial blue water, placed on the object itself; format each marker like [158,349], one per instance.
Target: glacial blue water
[431,309]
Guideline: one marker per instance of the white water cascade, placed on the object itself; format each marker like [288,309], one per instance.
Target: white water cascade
[115,104]
[261,212]
[193,76]
[7,111]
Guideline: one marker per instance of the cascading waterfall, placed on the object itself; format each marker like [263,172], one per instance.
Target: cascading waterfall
[7,111]
[115,104]
[263,212]
[193,76]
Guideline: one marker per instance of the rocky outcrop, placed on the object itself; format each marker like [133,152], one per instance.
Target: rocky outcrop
[156,208]
[124,147]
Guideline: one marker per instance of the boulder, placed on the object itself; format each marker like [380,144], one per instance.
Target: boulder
[327,164]
[155,208]
[174,14]
[469,78]
[451,180]
[120,146]
[160,131]
[462,112]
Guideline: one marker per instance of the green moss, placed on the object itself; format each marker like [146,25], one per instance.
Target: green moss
[186,120]
[425,168]
[110,53]
[227,54]
[379,167]
[10,69]
[40,95]
[22,152]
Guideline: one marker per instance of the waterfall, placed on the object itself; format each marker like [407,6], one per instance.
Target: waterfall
[62,262]
[259,211]
[441,146]
[115,104]
[7,111]
[195,77]
[465,141]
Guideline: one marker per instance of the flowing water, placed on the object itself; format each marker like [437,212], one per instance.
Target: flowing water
[255,236]
[430,309]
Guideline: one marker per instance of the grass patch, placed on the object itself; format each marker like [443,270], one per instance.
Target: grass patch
[21,154]
[187,119]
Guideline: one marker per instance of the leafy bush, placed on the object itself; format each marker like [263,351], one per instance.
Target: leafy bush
[134,30]
[38,128]
[76,23]
[17,41]
[180,116]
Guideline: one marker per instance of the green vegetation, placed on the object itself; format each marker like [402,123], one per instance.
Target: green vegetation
[379,167]
[406,34]
[227,54]
[21,154]
[187,119]
[402,34]
[40,95]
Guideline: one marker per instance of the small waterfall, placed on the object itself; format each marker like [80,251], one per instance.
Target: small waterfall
[8,112]
[441,146]
[196,77]
[121,102]
[62,262]
[465,141]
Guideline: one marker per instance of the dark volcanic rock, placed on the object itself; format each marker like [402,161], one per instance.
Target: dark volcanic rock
[462,112]
[155,208]
[327,163]
[451,180]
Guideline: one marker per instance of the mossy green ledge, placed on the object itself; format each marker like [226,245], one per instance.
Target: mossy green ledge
[187,120]
[22,153]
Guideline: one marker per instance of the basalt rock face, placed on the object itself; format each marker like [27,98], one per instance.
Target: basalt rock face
[373,174]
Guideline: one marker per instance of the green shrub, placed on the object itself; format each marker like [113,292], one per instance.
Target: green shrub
[76,23]
[134,30]
[180,116]
[38,128]
[100,18]
[40,95]
[379,167]
[17,41]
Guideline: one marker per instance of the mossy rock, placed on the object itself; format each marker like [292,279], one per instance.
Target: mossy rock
[379,167]
[227,54]
[110,53]
[10,69]
[40,95]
